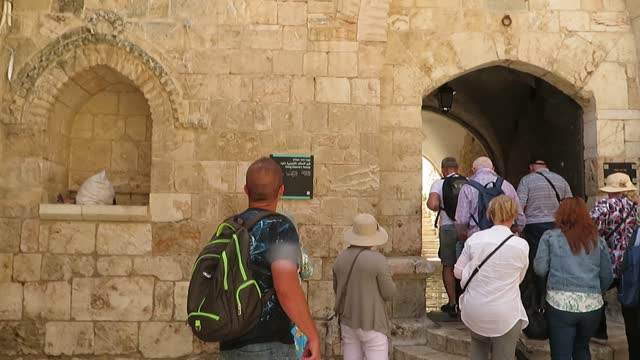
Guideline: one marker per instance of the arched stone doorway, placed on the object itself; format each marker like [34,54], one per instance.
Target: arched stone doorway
[519,115]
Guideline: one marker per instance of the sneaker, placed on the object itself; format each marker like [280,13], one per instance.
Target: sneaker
[452,309]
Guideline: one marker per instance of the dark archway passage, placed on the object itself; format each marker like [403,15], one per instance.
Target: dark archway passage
[518,115]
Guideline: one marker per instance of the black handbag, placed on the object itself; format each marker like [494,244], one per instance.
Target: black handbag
[534,301]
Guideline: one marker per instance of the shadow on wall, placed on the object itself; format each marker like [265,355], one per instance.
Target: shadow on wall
[444,137]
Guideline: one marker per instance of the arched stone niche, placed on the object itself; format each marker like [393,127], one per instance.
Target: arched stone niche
[55,87]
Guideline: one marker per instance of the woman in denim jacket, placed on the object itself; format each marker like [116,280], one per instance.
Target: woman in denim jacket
[576,262]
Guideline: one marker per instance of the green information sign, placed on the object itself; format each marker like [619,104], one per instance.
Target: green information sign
[298,175]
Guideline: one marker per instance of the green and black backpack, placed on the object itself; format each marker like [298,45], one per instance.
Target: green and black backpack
[225,300]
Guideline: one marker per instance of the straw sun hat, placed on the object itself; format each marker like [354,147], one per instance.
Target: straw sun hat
[365,231]
[618,182]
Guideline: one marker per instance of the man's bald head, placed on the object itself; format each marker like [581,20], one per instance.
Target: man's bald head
[264,180]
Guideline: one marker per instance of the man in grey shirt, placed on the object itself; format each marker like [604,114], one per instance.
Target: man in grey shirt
[540,193]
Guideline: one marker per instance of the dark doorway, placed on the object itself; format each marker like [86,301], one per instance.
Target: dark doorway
[517,115]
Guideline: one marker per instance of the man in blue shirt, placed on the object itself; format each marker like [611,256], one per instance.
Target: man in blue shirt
[275,258]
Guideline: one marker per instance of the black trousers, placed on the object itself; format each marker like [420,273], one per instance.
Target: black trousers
[533,233]
[602,332]
[631,317]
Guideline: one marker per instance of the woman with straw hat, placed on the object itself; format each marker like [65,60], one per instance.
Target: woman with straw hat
[362,283]
[616,216]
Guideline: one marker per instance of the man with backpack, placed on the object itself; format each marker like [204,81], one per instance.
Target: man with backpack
[275,257]
[443,198]
[474,198]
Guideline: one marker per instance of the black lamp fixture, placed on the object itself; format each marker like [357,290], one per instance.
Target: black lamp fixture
[445,98]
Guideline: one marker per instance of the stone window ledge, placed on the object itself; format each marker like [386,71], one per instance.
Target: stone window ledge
[93,212]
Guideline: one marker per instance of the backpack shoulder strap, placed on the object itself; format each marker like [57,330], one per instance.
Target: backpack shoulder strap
[476,185]
[477,269]
[498,183]
[550,183]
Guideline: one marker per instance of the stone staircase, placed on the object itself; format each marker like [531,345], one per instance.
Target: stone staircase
[430,242]
[424,339]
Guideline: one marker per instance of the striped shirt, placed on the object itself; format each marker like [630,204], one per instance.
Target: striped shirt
[538,197]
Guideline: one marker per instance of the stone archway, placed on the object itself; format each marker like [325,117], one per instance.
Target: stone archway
[43,79]
[416,63]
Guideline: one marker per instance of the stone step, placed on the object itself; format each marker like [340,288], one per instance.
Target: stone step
[455,339]
[422,352]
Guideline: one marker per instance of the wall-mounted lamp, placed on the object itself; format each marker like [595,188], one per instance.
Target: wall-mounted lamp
[445,98]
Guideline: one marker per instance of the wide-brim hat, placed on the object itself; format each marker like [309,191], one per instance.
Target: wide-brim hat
[618,182]
[365,231]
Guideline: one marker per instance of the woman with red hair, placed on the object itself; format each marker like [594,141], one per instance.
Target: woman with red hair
[576,262]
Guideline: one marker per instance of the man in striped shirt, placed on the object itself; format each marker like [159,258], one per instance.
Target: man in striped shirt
[540,193]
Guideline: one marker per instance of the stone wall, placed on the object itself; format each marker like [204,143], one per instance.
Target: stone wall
[112,132]
[227,81]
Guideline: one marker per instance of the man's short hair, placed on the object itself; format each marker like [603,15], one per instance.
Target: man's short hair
[482,162]
[449,162]
[264,179]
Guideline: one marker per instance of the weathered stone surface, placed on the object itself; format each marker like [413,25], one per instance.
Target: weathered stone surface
[177,239]
[162,267]
[343,64]
[114,266]
[163,300]
[412,303]
[11,304]
[610,138]
[336,149]
[68,338]
[29,235]
[180,300]
[63,267]
[72,238]
[169,207]
[321,299]
[162,340]
[116,338]
[26,267]
[365,91]
[333,90]
[609,85]
[123,239]
[21,338]
[6,267]
[49,301]
[112,299]
[315,239]
[9,235]
[315,64]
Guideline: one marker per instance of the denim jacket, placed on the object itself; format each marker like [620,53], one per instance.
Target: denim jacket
[585,273]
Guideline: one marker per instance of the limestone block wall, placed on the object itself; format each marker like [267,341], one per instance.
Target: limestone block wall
[112,132]
[227,81]
[94,288]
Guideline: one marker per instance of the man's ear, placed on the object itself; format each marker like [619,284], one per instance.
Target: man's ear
[246,189]
[281,191]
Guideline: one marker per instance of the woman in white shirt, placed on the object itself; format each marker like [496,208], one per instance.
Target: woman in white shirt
[490,305]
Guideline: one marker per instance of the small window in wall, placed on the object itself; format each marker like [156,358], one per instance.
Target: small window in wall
[105,124]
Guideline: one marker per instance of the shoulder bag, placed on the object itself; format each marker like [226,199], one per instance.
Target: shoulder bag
[552,186]
[477,269]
